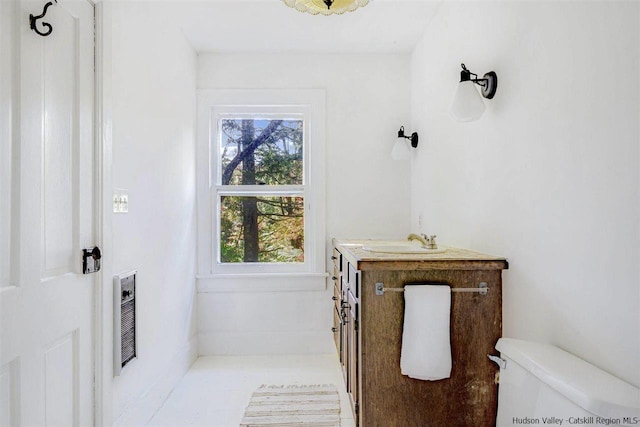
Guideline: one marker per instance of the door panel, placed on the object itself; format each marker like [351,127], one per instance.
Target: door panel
[9,395]
[59,145]
[7,105]
[61,377]
[46,331]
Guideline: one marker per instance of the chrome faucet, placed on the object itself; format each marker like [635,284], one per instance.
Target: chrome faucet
[420,239]
[428,242]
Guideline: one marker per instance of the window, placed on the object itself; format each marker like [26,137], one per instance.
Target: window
[260,191]
[267,212]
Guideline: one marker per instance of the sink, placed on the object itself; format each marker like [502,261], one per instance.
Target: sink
[402,249]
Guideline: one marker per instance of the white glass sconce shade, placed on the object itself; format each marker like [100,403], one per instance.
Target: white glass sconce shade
[401,149]
[467,105]
[402,146]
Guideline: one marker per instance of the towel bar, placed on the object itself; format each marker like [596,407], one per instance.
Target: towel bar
[482,289]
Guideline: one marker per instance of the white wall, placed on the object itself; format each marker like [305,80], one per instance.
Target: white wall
[154,81]
[549,176]
[367,100]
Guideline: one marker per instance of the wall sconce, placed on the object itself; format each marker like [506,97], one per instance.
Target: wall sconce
[467,106]
[401,149]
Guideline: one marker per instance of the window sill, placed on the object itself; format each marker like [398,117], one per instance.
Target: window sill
[262,282]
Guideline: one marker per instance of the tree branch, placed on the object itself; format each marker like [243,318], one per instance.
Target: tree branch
[233,164]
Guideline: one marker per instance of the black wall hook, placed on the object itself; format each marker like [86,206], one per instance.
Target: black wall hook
[33,19]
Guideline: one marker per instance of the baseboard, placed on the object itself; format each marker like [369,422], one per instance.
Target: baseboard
[149,402]
[259,343]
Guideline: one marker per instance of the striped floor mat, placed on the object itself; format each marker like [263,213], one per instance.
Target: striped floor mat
[293,405]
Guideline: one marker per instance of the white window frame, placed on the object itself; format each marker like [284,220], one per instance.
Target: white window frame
[306,104]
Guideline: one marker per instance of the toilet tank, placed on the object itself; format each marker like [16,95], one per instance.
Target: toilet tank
[541,384]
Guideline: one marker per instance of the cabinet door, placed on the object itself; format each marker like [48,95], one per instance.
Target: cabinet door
[352,279]
[337,332]
[352,369]
[337,321]
[336,257]
[344,350]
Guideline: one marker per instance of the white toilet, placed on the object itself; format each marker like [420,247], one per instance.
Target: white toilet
[543,385]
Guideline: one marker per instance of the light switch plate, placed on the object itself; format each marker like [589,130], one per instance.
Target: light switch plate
[120,200]
[124,203]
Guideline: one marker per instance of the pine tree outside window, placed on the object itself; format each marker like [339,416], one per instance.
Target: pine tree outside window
[261,186]
[261,191]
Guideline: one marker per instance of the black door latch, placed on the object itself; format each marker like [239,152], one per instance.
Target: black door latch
[91,260]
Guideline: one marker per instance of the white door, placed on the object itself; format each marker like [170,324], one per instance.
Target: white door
[46,303]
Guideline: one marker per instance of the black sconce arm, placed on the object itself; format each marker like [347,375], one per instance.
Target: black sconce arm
[466,74]
[413,138]
[489,82]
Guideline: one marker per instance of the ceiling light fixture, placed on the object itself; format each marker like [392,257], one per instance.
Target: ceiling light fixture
[467,105]
[326,7]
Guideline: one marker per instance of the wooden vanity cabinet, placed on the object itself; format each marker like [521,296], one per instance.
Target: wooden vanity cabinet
[345,324]
[371,338]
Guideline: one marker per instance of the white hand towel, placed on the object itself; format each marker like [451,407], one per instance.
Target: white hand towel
[426,344]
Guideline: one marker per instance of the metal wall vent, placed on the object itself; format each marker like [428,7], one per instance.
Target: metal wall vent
[124,320]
